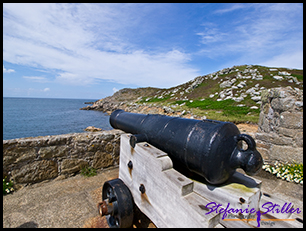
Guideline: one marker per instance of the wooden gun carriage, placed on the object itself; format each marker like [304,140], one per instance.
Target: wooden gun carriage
[172,168]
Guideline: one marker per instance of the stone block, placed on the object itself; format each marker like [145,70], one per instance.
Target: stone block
[81,138]
[53,151]
[36,172]
[18,154]
[57,140]
[102,160]
[107,137]
[28,155]
[94,147]
[287,132]
[109,147]
[38,142]
[263,123]
[87,156]
[274,138]
[265,108]
[24,142]
[298,139]
[291,120]
[262,144]
[261,119]
[70,166]
[286,154]
[116,150]
[9,144]
[77,150]
[299,104]
[282,104]
[264,97]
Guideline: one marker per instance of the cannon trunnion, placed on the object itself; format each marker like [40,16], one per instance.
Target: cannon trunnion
[207,147]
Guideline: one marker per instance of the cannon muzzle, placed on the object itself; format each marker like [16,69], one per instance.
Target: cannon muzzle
[209,148]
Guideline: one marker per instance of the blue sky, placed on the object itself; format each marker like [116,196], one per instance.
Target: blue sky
[89,51]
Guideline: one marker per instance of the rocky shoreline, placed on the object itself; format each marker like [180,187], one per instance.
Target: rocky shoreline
[108,106]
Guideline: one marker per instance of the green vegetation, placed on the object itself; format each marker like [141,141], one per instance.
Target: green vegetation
[88,172]
[289,172]
[226,110]
[153,100]
[211,104]
[7,186]
[299,77]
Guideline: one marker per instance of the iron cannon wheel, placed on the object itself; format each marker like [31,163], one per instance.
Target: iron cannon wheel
[117,193]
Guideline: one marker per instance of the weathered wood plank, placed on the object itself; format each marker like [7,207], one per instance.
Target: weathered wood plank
[168,199]
[171,199]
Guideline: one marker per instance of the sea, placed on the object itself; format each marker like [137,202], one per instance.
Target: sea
[31,117]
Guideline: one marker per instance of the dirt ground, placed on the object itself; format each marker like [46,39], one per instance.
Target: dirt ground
[249,129]
[72,202]
[62,203]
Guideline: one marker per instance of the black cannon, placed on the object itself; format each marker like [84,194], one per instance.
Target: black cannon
[209,148]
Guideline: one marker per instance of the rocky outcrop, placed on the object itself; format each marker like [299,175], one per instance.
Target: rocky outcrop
[119,98]
[280,126]
[110,106]
[32,160]
[92,129]
[242,84]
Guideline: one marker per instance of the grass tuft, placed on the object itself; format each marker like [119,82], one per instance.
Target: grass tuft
[88,172]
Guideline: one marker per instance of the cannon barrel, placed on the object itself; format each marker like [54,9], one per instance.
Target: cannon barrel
[209,148]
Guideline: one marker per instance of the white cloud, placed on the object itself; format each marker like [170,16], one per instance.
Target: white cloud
[290,60]
[211,34]
[36,91]
[38,79]
[231,7]
[7,70]
[115,89]
[257,32]
[87,42]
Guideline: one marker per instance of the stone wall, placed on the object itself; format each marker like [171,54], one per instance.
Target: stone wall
[280,126]
[32,160]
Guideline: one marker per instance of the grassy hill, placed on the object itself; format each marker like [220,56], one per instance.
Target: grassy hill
[231,94]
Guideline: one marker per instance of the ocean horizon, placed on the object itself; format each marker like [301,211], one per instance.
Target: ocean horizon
[31,117]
